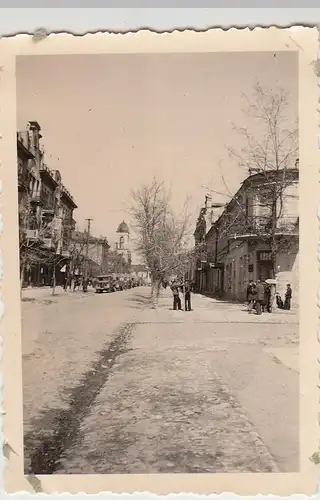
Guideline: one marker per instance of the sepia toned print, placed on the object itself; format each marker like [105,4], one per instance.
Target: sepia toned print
[164,267]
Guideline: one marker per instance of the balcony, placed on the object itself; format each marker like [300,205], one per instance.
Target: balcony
[69,223]
[32,234]
[48,243]
[48,176]
[66,192]
[23,179]
[262,226]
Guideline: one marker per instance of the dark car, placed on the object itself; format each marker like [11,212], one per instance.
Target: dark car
[104,284]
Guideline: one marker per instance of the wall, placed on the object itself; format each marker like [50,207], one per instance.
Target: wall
[237,272]
[289,273]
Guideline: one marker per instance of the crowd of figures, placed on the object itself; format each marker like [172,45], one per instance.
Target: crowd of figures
[259,298]
[74,283]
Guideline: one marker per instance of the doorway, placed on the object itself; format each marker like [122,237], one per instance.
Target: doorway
[264,271]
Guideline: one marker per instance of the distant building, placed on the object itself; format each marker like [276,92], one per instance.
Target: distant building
[123,241]
[45,211]
[120,258]
[98,253]
[237,243]
[140,271]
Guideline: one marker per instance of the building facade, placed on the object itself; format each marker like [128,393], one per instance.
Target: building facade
[140,272]
[95,248]
[240,244]
[45,212]
[123,242]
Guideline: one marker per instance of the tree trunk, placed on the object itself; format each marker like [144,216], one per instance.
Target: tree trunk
[155,292]
[273,289]
[54,278]
[273,248]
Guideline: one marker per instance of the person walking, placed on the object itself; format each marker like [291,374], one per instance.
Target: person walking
[259,297]
[287,298]
[187,296]
[176,297]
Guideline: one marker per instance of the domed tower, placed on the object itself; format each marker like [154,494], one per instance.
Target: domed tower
[123,241]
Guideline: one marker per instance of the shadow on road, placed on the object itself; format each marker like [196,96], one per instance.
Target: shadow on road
[57,429]
[139,300]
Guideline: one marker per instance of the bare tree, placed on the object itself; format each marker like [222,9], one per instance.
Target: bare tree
[270,151]
[161,235]
[29,245]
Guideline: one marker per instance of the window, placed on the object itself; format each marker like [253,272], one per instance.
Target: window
[264,256]
[247,207]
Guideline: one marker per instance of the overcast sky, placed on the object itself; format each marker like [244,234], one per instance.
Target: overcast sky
[111,122]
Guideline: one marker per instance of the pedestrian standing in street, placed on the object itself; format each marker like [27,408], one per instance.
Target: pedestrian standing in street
[187,296]
[287,298]
[85,285]
[250,295]
[259,297]
[176,297]
[267,298]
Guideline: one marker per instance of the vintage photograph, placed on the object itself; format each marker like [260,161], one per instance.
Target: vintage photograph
[159,262]
[159,288]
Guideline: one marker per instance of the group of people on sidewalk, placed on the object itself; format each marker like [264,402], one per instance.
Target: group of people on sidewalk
[74,283]
[184,288]
[259,297]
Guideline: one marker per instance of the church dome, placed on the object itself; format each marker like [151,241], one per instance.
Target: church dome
[123,228]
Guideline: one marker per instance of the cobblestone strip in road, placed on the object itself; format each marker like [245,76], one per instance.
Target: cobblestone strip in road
[57,429]
[165,411]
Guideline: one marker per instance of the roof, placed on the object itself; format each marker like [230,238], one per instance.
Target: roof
[123,228]
[23,152]
[81,236]
[264,177]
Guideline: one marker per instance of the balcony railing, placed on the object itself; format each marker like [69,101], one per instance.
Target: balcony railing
[69,223]
[47,243]
[257,225]
[66,193]
[32,234]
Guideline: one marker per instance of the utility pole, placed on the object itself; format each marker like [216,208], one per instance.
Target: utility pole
[87,248]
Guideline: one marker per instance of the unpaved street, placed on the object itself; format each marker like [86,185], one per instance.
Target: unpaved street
[112,386]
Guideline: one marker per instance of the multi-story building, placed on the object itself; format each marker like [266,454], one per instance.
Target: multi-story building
[208,215]
[255,237]
[45,212]
[29,160]
[92,251]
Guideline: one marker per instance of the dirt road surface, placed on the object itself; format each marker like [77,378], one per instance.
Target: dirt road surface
[112,386]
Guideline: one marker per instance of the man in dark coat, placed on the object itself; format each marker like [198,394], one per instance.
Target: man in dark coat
[176,297]
[259,297]
[287,298]
[187,296]
[267,298]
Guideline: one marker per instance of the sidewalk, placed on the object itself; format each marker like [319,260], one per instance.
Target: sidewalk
[43,294]
[206,309]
